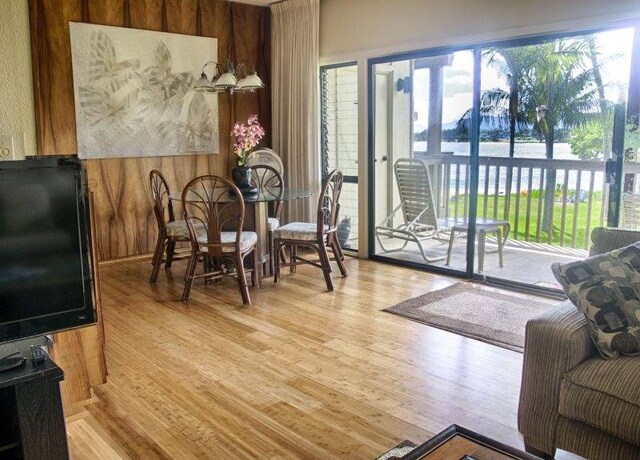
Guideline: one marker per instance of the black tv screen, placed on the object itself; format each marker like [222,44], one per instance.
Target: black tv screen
[45,270]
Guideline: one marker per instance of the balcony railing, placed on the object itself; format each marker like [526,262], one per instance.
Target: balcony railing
[513,189]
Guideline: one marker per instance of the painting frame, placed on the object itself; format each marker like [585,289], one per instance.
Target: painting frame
[134,96]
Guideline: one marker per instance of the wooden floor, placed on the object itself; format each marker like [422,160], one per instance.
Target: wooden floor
[302,373]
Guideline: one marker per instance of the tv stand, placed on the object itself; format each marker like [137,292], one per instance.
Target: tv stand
[32,422]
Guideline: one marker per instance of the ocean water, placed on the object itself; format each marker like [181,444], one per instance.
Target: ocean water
[562,151]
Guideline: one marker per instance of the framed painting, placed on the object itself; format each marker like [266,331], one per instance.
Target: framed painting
[134,93]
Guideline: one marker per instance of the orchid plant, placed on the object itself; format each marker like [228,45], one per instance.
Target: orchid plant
[246,137]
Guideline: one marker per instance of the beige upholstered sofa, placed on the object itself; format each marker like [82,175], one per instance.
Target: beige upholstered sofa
[572,399]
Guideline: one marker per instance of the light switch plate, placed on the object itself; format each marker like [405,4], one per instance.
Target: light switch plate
[12,146]
[7,149]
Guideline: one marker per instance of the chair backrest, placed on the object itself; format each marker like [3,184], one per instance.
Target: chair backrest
[631,211]
[217,204]
[162,205]
[416,195]
[329,204]
[266,157]
[270,182]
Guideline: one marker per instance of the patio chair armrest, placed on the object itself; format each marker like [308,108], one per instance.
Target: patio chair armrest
[390,216]
[555,342]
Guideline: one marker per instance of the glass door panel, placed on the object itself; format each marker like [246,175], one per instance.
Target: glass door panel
[546,133]
[629,217]
[420,162]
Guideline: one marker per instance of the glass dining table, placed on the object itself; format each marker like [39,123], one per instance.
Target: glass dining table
[256,212]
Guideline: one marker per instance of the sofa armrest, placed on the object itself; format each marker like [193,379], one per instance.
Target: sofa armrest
[555,342]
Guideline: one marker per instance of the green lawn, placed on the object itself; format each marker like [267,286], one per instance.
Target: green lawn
[519,228]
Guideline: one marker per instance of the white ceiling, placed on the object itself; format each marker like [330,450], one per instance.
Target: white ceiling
[256,2]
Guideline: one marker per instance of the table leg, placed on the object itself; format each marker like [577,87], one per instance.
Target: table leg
[499,238]
[451,238]
[482,235]
[260,223]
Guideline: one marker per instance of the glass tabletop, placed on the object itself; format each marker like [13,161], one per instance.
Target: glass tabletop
[265,194]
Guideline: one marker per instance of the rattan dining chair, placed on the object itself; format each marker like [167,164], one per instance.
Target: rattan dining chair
[212,205]
[170,230]
[319,235]
[266,157]
[270,182]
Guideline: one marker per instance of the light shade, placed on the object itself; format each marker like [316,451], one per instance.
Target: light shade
[204,85]
[250,83]
[226,81]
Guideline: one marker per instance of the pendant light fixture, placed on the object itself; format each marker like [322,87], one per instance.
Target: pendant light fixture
[233,79]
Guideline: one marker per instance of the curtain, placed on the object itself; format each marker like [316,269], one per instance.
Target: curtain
[294,96]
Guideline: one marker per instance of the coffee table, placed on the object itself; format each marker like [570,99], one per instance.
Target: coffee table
[458,443]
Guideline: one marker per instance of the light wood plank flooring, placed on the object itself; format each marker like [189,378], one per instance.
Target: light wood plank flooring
[302,373]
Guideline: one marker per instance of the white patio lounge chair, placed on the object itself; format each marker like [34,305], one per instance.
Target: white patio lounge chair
[420,223]
[420,220]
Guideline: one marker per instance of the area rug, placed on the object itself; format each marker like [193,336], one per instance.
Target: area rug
[489,315]
[398,451]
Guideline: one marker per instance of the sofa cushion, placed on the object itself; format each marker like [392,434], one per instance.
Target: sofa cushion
[607,290]
[604,394]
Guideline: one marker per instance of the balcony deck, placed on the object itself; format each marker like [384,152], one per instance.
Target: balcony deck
[513,190]
[524,262]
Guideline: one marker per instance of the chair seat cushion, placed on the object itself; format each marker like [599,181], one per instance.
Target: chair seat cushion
[604,394]
[273,223]
[301,231]
[178,229]
[228,239]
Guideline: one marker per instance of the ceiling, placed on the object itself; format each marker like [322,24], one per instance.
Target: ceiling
[256,2]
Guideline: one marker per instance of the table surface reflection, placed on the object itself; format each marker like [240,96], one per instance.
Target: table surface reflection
[264,195]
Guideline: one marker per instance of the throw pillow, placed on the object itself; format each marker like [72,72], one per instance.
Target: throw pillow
[606,288]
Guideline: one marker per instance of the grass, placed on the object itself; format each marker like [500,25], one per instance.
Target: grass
[519,228]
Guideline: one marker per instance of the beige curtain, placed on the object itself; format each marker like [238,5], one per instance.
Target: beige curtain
[294,93]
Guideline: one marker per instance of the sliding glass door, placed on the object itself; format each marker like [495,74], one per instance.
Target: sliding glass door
[500,179]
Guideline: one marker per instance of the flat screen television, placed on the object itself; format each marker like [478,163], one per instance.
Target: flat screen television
[45,256]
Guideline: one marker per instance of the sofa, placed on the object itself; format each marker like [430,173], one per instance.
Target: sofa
[570,397]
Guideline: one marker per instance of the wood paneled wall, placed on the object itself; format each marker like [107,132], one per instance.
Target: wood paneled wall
[124,217]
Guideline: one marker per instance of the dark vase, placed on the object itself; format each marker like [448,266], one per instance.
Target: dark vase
[241,175]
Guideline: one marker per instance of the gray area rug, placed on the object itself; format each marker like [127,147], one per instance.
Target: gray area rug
[398,451]
[492,316]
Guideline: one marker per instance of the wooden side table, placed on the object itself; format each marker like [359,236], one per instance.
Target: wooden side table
[483,226]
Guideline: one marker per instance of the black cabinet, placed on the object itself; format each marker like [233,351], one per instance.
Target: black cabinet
[31,417]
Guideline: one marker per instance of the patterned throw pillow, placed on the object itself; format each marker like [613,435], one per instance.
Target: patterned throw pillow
[606,288]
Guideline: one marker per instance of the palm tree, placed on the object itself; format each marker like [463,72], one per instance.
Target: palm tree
[498,105]
[511,64]
[559,90]
[606,110]
[550,85]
